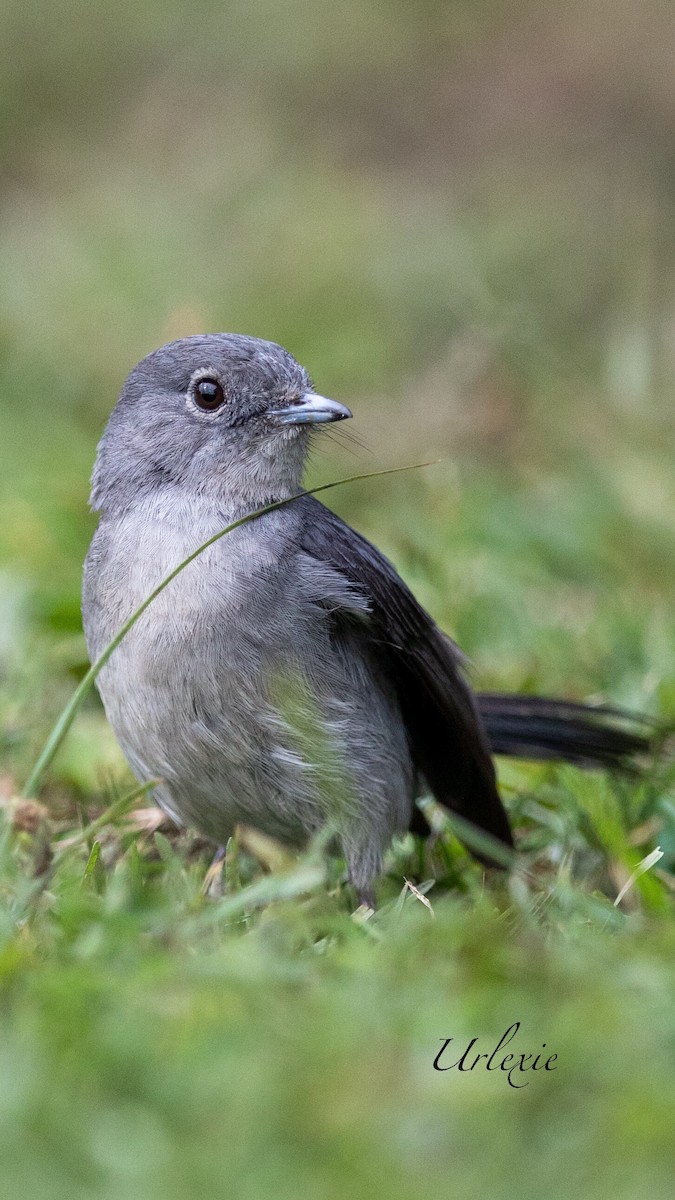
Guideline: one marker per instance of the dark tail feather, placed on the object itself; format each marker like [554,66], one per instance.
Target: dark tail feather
[538,728]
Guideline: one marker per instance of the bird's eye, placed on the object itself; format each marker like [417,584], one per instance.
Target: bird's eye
[208,394]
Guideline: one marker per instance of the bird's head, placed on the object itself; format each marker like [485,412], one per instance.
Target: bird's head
[220,414]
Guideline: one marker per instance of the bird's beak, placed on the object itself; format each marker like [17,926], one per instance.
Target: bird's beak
[311,409]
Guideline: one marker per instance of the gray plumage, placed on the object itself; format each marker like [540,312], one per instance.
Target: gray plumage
[287,677]
[234,673]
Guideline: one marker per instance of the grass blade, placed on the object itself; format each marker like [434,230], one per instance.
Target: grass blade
[116,810]
[73,706]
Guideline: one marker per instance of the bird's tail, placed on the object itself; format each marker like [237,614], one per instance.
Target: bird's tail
[539,728]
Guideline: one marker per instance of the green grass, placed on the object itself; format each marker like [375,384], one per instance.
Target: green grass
[158,1043]
[170,1032]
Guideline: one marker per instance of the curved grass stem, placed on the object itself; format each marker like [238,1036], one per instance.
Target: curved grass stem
[73,706]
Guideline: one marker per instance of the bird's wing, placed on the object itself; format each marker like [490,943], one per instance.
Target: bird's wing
[447,739]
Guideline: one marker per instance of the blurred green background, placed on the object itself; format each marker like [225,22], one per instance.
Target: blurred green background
[460,217]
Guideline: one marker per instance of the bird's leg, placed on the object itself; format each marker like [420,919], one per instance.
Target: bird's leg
[212,879]
[366,897]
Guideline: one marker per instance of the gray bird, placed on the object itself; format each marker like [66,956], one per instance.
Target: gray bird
[287,678]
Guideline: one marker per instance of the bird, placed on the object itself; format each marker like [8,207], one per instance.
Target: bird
[287,678]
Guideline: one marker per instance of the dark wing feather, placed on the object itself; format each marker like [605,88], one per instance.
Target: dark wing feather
[447,739]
